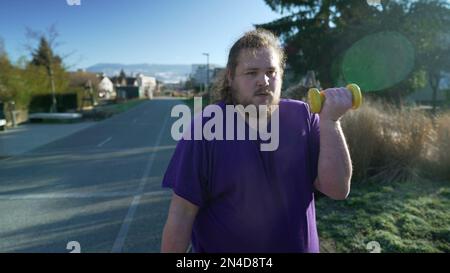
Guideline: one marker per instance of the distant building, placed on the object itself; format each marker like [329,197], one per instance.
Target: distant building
[123,80]
[135,87]
[147,86]
[199,75]
[105,88]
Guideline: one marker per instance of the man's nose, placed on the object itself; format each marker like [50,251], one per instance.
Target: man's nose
[263,80]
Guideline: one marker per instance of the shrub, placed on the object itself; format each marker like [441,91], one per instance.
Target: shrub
[388,143]
[442,146]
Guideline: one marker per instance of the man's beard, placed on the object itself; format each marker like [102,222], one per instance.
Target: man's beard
[272,101]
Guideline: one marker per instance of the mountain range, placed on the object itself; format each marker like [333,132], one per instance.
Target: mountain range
[167,73]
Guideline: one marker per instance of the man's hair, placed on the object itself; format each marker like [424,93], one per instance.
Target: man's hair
[255,40]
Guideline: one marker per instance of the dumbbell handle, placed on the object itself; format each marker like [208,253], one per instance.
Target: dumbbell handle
[316,98]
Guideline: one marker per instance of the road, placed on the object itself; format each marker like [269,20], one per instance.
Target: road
[100,187]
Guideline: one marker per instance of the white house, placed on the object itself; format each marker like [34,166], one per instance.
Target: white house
[105,87]
[147,86]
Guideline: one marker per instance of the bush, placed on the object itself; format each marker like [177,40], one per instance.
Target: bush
[442,145]
[387,143]
[43,103]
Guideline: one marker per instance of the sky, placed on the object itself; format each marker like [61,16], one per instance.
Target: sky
[133,31]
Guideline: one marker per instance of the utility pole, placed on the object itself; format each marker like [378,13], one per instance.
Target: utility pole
[207,77]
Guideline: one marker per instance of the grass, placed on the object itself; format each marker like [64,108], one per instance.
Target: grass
[442,151]
[401,216]
[389,143]
[120,107]
[106,111]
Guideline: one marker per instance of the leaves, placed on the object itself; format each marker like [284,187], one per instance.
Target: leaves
[316,34]
[19,82]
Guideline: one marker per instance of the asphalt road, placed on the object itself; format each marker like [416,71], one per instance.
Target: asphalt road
[99,187]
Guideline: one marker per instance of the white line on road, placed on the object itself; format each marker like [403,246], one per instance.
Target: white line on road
[104,142]
[80,195]
[120,240]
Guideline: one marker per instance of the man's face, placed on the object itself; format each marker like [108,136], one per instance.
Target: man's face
[257,79]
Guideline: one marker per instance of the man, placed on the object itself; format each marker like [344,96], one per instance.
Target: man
[229,196]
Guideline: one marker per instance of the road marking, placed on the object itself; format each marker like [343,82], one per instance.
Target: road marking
[104,142]
[7,158]
[81,195]
[120,239]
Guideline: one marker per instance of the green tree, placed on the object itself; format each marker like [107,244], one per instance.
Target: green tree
[11,82]
[190,84]
[428,26]
[6,92]
[5,67]
[2,47]
[317,33]
[21,80]
[44,57]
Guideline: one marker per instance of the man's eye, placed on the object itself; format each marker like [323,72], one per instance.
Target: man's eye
[271,73]
[250,73]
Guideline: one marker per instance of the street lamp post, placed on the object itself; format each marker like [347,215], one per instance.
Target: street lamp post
[207,77]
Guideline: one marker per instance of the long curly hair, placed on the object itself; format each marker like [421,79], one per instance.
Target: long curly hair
[255,39]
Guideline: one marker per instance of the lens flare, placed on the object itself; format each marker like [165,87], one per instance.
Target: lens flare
[378,61]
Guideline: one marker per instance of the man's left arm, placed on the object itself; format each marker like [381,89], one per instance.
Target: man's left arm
[334,166]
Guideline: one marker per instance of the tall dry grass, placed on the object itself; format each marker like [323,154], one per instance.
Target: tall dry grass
[391,144]
[442,151]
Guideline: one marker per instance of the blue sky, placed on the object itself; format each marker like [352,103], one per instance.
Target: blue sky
[134,31]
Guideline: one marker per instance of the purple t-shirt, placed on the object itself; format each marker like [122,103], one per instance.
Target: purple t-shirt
[252,200]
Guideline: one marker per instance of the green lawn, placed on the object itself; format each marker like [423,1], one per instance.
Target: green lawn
[120,107]
[401,217]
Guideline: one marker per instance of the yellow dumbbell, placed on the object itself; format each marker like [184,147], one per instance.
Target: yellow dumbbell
[316,98]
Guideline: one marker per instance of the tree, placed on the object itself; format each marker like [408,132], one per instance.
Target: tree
[190,84]
[10,78]
[6,92]
[2,47]
[21,80]
[427,23]
[14,86]
[43,56]
[5,66]
[317,33]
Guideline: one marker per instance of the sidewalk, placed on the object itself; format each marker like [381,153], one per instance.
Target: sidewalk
[26,137]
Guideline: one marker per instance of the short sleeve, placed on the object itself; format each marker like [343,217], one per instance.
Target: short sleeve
[186,173]
[314,142]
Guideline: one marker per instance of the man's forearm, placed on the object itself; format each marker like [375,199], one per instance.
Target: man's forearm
[178,228]
[334,167]
[175,238]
